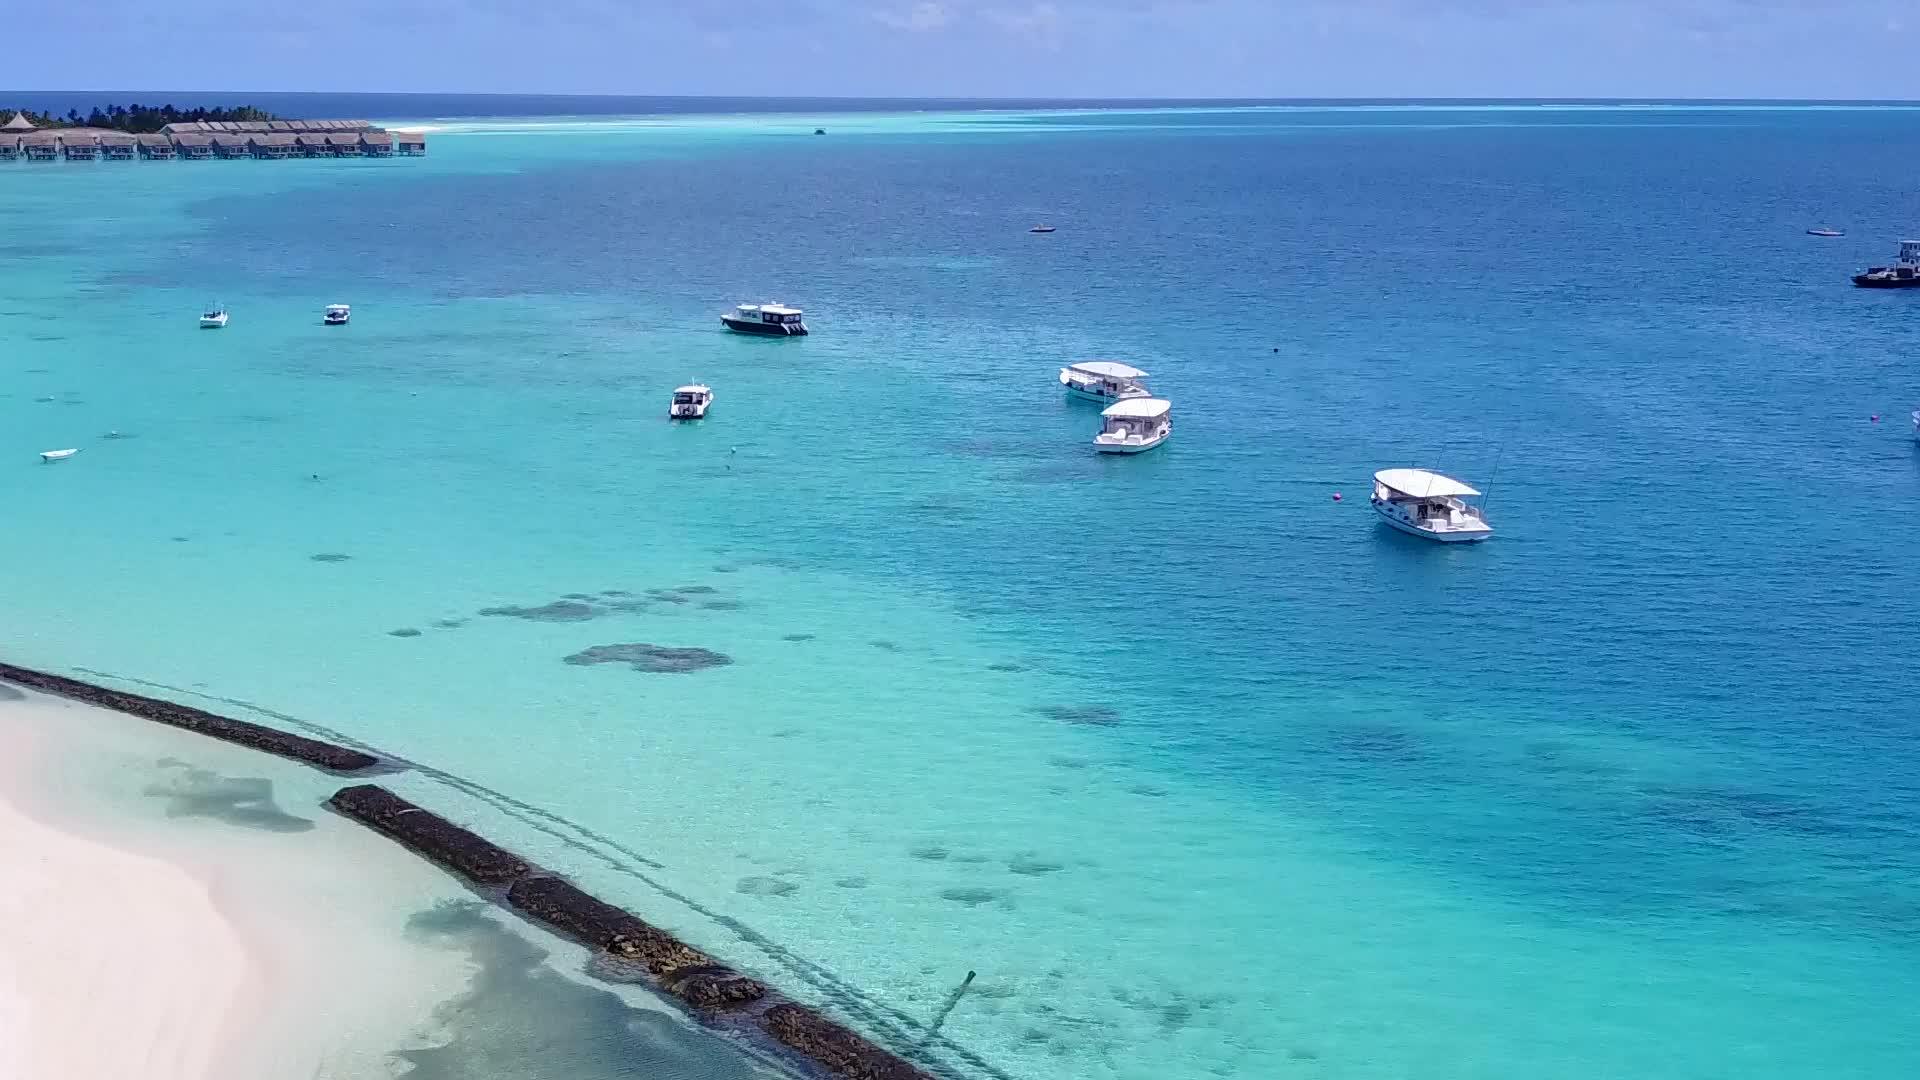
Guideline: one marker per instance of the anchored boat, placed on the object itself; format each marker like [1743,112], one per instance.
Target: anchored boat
[214,317]
[1429,505]
[336,315]
[773,320]
[1134,426]
[690,402]
[1103,381]
[1903,274]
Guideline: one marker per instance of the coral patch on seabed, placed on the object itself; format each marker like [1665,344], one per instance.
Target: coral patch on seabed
[237,800]
[1083,715]
[405,631]
[642,656]
[971,897]
[764,886]
[558,611]
[797,637]
[331,556]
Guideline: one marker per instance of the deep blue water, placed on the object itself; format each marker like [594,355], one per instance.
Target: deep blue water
[1663,712]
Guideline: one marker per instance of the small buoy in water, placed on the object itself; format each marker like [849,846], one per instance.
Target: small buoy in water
[1336,496]
[1875,418]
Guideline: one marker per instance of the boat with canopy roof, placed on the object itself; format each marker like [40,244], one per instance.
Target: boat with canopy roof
[1104,381]
[1134,425]
[1427,504]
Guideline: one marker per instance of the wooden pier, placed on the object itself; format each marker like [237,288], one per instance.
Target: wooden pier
[20,140]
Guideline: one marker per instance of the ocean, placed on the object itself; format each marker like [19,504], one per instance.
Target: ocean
[1202,771]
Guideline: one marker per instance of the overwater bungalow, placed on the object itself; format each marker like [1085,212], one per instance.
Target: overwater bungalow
[40,146]
[377,143]
[344,143]
[231,145]
[155,147]
[194,146]
[80,144]
[118,146]
[411,143]
[313,144]
[273,144]
[9,146]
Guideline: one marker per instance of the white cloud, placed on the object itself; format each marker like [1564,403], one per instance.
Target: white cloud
[921,18]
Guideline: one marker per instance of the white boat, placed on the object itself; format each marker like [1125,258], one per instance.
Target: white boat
[1134,425]
[58,455]
[1427,504]
[214,317]
[1916,424]
[690,402]
[1104,381]
[771,320]
[337,315]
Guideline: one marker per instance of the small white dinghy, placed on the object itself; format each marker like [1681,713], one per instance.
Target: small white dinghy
[50,456]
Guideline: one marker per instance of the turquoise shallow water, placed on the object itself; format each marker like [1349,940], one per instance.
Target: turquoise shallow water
[1204,773]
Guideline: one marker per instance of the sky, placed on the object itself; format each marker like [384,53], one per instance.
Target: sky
[977,48]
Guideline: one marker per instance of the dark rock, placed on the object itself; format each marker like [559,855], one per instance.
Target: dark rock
[712,986]
[836,1048]
[642,656]
[440,840]
[593,922]
[405,631]
[331,556]
[299,748]
[558,611]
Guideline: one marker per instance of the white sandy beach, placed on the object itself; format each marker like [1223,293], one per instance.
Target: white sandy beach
[134,944]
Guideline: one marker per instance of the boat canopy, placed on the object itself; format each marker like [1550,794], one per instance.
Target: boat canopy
[338,307]
[769,309]
[696,388]
[1107,369]
[1421,484]
[1146,408]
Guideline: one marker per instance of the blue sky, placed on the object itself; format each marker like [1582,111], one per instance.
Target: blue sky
[1076,48]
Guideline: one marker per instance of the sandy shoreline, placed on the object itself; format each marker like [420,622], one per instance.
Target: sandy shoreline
[166,1003]
[177,908]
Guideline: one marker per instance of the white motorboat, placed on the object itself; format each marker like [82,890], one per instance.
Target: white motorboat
[770,320]
[1424,503]
[337,315]
[58,455]
[1104,381]
[1916,424]
[690,402]
[1134,425]
[214,317]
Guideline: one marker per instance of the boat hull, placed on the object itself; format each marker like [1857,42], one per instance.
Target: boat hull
[1865,281]
[212,324]
[1456,536]
[1104,399]
[742,326]
[687,412]
[1130,448]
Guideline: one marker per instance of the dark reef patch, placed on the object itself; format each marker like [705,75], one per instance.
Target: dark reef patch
[1006,665]
[642,656]
[331,556]
[764,886]
[1082,715]
[180,539]
[1032,865]
[722,605]
[615,592]
[797,637]
[972,897]
[576,596]
[684,594]
[405,631]
[1148,790]
[884,645]
[854,882]
[557,611]
[246,801]
[518,1017]
[931,853]
[449,624]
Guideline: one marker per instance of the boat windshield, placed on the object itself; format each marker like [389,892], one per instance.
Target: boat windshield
[685,399]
